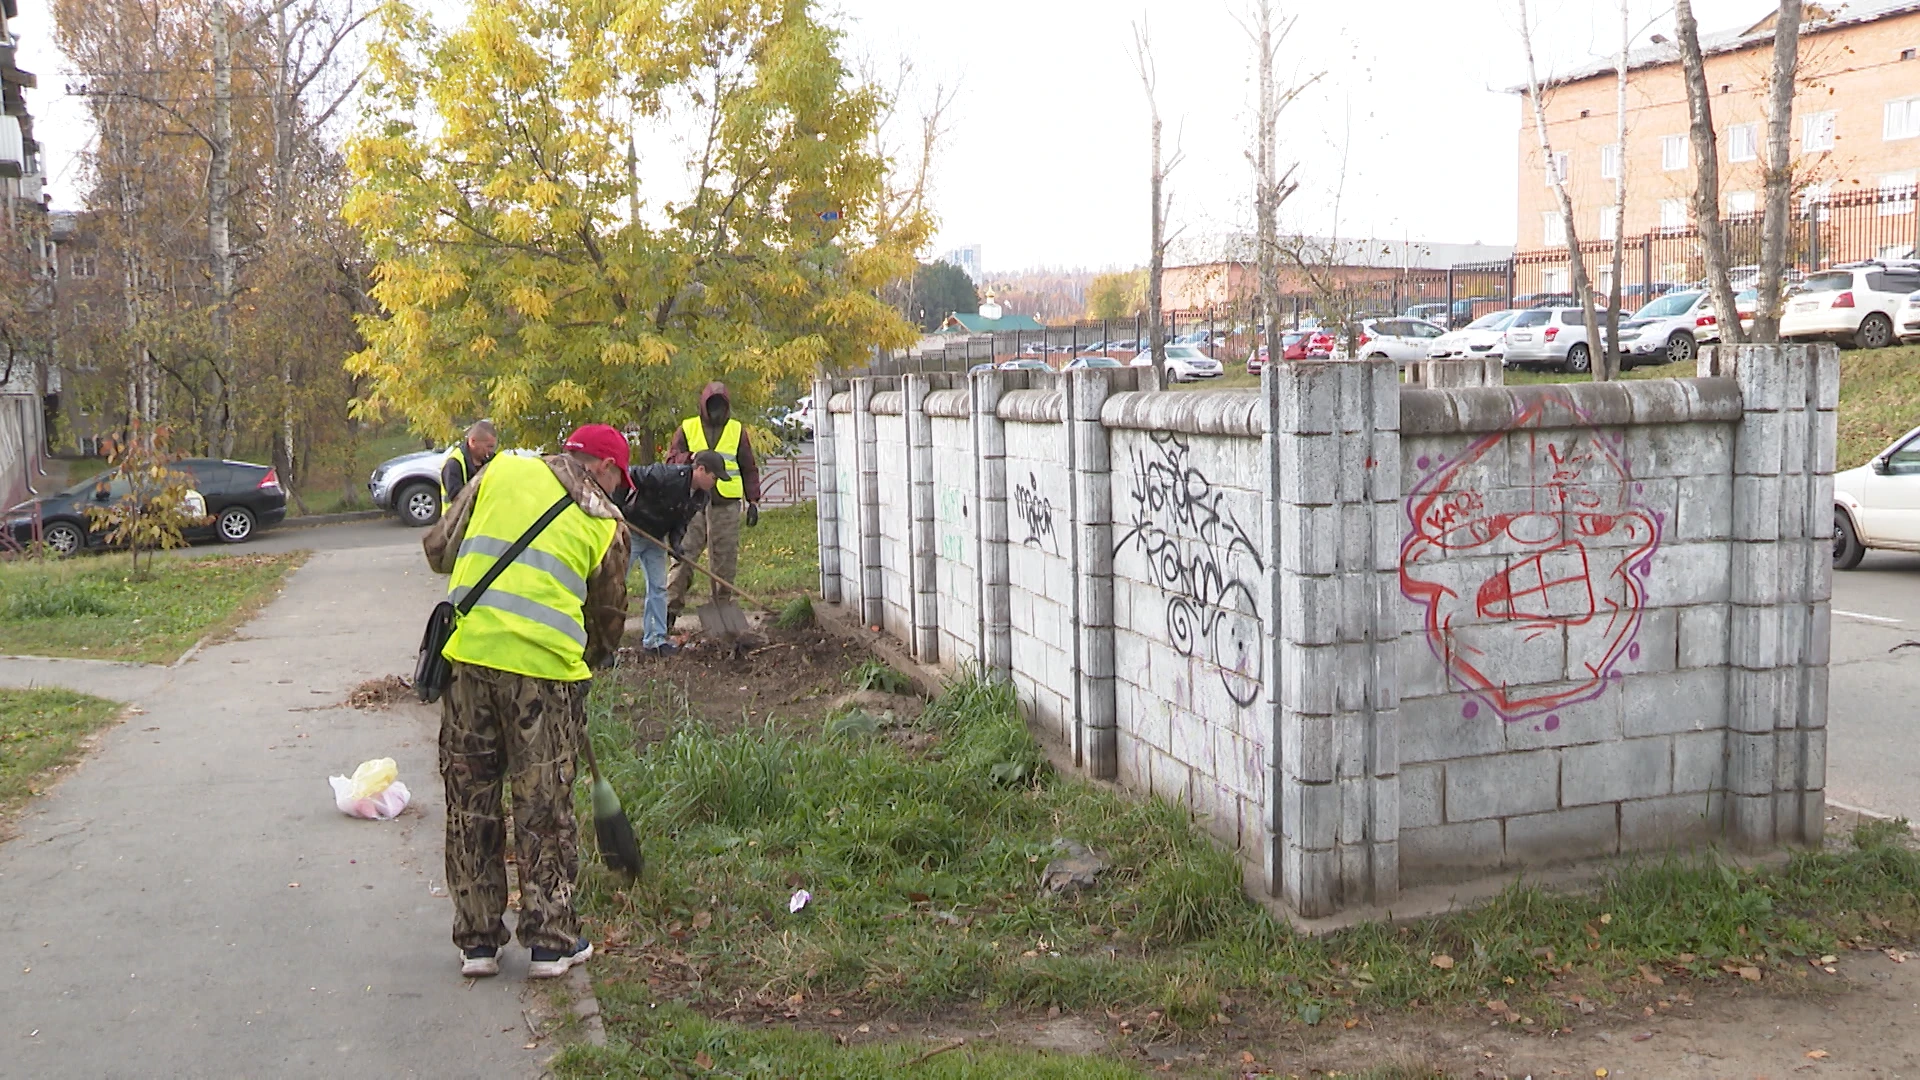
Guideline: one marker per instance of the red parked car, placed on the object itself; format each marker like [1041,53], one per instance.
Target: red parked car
[1295,345]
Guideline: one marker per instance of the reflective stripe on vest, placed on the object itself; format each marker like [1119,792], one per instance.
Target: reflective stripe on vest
[532,620]
[729,450]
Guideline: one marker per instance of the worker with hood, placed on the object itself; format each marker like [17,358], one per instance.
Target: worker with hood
[715,530]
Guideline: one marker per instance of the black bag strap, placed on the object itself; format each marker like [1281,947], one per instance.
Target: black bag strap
[513,552]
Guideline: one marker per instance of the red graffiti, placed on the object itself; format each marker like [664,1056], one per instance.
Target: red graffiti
[1529,555]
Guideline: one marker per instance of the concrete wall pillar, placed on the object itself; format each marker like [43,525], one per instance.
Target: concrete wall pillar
[994,571]
[866,464]
[1097,710]
[922,563]
[826,505]
[1334,454]
[1782,581]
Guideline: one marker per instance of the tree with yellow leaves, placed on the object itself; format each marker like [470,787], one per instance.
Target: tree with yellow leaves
[531,270]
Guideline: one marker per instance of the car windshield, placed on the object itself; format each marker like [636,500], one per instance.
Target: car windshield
[1185,352]
[85,487]
[1668,306]
[1497,320]
[1828,282]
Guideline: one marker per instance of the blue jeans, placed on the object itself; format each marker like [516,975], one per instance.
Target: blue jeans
[653,559]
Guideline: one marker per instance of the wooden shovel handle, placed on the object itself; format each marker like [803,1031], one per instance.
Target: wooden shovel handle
[695,563]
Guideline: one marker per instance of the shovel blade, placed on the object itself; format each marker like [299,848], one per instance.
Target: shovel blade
[723,619]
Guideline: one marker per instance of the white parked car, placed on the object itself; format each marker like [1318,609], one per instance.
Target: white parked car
[1555,337]
[1483,337]
[1878,504]
[1404,340]
[1906,322]
[1668,330]
[1185,363]
[1851,304]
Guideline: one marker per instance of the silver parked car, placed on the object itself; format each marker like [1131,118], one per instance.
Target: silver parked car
[1553,337]
[409,485]
[1669,330]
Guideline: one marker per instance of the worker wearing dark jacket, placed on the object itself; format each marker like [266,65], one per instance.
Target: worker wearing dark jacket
[715,530]
[660,501]
[466,459]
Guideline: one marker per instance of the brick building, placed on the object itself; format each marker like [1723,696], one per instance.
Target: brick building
[1856,136]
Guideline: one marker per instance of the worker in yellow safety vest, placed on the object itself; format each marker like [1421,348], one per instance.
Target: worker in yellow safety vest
[466,458]
[515,710]
[716,529]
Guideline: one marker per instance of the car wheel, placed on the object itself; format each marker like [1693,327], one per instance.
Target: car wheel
[1579,359]
[419,505]
[1681,347]
[1847,548]
[1876,332]
[234,525]
[63,538]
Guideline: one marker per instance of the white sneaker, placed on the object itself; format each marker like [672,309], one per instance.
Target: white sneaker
[552,963]
[479,962]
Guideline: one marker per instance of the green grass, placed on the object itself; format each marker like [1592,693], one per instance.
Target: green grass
[780,557]
[95,608]
[924,870]
[41,730]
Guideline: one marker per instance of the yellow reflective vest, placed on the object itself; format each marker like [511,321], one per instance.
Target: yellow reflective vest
[532,620]
[729,448]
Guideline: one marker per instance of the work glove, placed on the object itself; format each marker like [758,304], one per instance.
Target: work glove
[753,514]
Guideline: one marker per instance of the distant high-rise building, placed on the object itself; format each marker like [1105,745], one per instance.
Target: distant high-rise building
[966,258]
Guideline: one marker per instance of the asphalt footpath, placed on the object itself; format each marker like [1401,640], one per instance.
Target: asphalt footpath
[188,902]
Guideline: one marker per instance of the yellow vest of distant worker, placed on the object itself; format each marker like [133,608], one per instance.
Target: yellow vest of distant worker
[455,455]
[729,448]
[532,620]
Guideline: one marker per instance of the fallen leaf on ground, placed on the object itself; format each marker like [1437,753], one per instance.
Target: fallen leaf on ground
[701,1059]
[1606,919]
[1443,962]
[1818,1055]
[703,920]
[1751,974]
[1643,1036]
[1647,974]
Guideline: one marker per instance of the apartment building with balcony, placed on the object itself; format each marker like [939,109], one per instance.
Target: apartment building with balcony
[1855,144]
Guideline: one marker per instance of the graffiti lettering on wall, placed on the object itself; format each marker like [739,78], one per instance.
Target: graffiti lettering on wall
[953,524]
[1532,589]
[1206,563]
[1036,512]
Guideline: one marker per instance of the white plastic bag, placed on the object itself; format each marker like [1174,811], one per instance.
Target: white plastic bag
[371,792]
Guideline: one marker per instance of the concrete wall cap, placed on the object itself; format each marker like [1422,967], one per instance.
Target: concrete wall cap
[1213,412]
[887,403]
[1033,406]
[955,404]
[841,402]
[1645,401]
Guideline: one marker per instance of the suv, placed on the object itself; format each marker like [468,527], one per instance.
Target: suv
[409,485]
[1554,336]
[1668,330]
[1851,304]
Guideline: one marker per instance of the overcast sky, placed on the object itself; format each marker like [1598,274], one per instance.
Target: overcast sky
[1046,160]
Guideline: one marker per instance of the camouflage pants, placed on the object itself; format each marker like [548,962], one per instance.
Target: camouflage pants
[497,727]
[713,537]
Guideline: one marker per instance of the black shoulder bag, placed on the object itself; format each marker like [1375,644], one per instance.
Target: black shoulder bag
[432,671]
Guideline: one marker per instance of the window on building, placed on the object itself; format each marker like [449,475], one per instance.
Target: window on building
[1673,213]
[1553,228]
[1610,161]
[1896,194]
[1742,203]
[1604,283]
[1816,131]
[1673,152]
[1605,231]
[83,264]
[1902,119]
[1815,197]
[1562,168]
[1743,142]
[1554,279]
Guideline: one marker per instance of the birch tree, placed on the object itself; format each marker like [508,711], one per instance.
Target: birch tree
[1160,199]
[1272,185]
[1706,171]
[1613,355]
[1577,266]
[1778,171]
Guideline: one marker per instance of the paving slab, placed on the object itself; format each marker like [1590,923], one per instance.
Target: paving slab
[188,902]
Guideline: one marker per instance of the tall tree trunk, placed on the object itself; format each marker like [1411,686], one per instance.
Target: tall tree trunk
[1706,172]
[220,236]
[1266,197]
[1613,359]
[1779,175]
[285,112]
[1157,257]
[1576,264]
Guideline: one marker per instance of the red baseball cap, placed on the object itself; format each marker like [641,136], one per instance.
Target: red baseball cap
[602,442]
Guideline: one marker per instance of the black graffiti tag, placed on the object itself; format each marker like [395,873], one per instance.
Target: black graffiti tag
[1191,539]
[1036,511]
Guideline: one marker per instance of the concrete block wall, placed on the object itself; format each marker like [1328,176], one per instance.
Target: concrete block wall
[1376,634]
[22,447]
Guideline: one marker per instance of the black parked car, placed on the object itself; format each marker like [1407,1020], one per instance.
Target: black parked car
[242,498]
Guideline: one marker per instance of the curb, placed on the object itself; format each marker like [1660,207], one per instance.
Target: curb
[308,521]
[586,1006]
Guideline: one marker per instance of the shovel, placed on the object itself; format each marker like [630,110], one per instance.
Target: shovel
[720,617]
